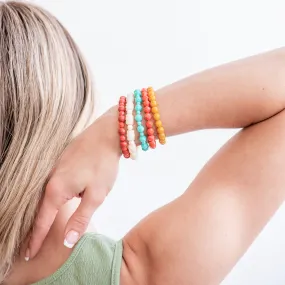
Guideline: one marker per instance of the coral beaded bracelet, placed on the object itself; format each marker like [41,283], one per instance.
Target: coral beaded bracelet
[122,131]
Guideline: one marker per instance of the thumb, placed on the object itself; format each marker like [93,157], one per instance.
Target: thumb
[80,220]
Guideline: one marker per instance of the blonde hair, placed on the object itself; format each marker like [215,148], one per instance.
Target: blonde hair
[45,94]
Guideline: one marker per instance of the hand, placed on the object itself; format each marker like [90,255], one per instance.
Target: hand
[87,169]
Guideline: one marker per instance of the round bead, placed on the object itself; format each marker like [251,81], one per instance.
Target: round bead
[144,97]
[149,124]
[130,135]
[138,99]
[129,119]
[126,155]
[139,123]
[144,90]
[123,144]
[161,136]
[143,139]
[150,92]
[149,88]
[145,146]
[140,129]
[147,117]
[122,138]
[160,130]
[146,103]
[121,113]
[122,131]
[138,117]
[138,107]
[130,97]
[154,110]
[151,138]
[150,131]
[130,127]
[121,108]
[156,116]
[137,92]
[162,141]
[158,123]
[121,125]
[124,149]
[152,144]
[122,118]
[147,109]
[151,97]
[153,103]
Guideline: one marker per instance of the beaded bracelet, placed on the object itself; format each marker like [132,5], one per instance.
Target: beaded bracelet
[122,131]
[138,118]
[156,116]
[130,127]
[148,119]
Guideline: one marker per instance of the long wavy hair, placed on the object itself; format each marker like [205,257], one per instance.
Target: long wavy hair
[45,98]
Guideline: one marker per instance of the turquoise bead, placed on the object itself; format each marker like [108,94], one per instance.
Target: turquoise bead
[137,92]
[138,107]
[140,129]
[143,139]
[138,99]
[139,123]
[145,146]
[138,117]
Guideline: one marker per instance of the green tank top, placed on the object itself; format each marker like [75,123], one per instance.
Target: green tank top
[95,260]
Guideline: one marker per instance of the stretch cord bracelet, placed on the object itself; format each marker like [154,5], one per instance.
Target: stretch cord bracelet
[122,130]
[148,119]
[138,118]
[156,116]
[130,126]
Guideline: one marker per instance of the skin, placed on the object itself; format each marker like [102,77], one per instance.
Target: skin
[199,237]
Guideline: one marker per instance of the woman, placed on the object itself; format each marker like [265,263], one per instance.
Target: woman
[196,239]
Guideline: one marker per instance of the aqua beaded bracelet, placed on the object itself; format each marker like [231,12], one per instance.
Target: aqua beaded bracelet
[138,118]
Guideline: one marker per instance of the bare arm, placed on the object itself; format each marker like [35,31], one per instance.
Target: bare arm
[199,237]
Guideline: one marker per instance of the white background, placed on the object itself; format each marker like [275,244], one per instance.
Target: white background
[132,44]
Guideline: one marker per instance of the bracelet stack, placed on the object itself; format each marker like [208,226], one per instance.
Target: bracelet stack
[139,108]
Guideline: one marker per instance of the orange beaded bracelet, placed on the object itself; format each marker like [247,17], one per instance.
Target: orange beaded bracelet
[148,119]
[156,116]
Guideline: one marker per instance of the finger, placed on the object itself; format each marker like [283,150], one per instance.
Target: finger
[80,220]
[45,218]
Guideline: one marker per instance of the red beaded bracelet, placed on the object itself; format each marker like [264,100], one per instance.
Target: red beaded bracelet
[148,119]
[122,129]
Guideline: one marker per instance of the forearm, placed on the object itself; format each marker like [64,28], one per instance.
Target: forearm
[229,96]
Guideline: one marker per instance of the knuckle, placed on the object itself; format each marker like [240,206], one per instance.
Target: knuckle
[80,221]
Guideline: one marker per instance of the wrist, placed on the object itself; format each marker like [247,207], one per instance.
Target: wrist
[109,127]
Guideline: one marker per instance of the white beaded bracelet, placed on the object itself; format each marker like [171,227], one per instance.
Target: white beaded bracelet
[130,126]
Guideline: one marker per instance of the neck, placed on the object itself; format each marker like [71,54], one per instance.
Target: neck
[51,256]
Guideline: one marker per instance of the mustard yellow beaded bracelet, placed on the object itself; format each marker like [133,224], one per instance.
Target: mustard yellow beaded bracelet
[156,116]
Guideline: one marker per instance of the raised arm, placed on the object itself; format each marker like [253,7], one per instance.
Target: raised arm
[199,237]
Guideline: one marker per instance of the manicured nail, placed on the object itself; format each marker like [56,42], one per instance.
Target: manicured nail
[71,239]
[27,257]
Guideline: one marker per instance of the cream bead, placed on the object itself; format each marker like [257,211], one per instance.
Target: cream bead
[133,156]
[132,148]
[130,135]
[130,127]
[130,106]
[129,119]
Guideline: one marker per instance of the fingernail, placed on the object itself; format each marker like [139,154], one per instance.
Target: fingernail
[71,239]
[27,256]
